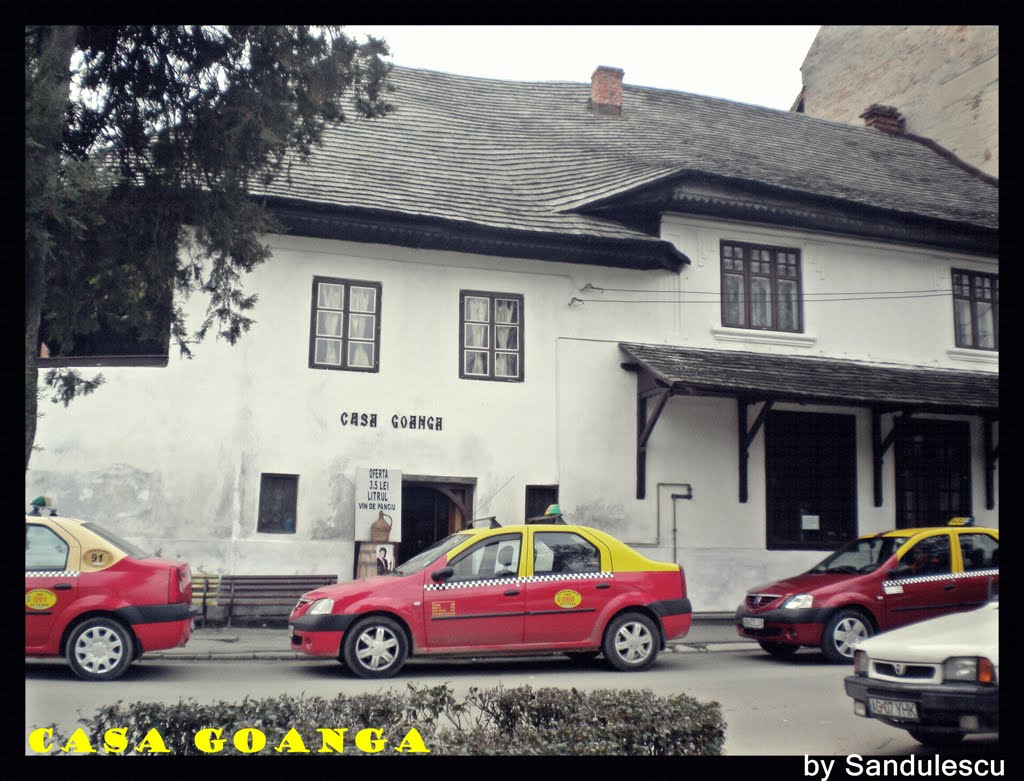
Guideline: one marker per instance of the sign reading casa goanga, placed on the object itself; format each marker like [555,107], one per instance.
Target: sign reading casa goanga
[378,504]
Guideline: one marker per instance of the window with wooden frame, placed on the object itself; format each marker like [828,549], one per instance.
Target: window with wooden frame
[279,499]
[345,325]
[761,287]
[976,310]
[490,336]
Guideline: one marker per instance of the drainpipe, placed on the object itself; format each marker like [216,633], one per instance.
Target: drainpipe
[687,493]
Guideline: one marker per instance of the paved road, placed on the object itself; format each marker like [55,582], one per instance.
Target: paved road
[790,707]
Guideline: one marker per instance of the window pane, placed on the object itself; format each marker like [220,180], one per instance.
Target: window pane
[44,550]
[506,365]
[360,354]
[362,299]
[787,305]
[331,296]
[760,302]
[478,309]
[328,351]
[962,318]
[476,363]
[278,503]
[328,324]
[732,294]
[986,335]
[361,326]
[506,311]
[477,335]
[506,337]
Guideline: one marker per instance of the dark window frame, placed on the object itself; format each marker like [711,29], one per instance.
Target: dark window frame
[975,295]
[263,523]
[933,463]
[520,350]
[835,494]
[775,278]
[346,313]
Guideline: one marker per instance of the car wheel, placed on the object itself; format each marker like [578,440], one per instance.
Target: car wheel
[583,658]
[843,631]
[631,642]
[778,650]
[934,738]
[99,649]
[375,647]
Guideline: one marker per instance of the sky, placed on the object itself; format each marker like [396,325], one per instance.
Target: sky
[746,63]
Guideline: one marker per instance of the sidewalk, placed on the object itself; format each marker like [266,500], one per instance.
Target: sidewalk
[240,643]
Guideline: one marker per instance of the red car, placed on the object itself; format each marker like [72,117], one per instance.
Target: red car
[98,600]
[514,590]
[873,584]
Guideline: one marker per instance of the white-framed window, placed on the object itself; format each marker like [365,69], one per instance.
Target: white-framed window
[345,325]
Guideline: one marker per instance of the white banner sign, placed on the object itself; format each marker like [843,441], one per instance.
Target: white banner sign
[378,504]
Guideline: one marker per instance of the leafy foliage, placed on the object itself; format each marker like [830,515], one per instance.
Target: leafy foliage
[140,181]
[496,721]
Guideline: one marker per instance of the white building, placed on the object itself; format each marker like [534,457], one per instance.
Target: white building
[506,294]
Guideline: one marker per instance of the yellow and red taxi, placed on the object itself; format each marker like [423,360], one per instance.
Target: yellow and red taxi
[873,584]
[527,589]
[97,599]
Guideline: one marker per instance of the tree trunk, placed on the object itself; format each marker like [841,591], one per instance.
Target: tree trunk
[48,88]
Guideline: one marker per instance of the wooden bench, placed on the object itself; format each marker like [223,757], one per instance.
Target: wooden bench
[267,590]
[204,592]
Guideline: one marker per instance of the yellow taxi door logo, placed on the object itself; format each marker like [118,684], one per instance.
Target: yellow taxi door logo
[40,599]
[568,598]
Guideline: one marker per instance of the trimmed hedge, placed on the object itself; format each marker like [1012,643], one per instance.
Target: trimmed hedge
[497,721]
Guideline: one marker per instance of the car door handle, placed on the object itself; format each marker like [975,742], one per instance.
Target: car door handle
[62,587]
[512,592]
[949,587]
[603,586]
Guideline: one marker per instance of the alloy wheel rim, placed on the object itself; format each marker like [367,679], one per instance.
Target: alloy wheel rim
[633,642]
[848,633]
[377,648]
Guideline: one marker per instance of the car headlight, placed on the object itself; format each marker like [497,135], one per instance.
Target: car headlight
[799,601]
[968,668]
[321,607]
[860,662]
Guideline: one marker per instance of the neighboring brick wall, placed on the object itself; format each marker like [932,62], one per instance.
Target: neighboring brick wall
[944,80]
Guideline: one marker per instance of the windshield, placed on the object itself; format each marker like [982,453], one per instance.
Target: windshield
[430,555]
[860,556]
[127,547]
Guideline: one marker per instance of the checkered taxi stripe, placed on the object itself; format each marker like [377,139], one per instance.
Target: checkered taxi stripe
[518,581]
[978,573]
[51,573]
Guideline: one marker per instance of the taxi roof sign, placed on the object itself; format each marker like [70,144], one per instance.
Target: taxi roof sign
[962,521]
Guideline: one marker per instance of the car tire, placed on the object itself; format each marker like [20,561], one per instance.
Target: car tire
[375,647]
[778,650]
[631,642]
[100,649]
[842,632]
[934,738]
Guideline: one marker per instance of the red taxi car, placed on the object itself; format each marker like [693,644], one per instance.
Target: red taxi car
[97,599]
[872,584]
[513,590]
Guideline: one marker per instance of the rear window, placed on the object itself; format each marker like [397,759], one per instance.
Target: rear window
[113,539]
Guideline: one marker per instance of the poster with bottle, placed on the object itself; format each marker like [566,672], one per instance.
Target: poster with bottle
[378,501]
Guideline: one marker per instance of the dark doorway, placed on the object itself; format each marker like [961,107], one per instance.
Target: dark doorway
[811,471]
[431,510]
[933,472]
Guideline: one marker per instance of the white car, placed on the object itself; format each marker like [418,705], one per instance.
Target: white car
[937,679]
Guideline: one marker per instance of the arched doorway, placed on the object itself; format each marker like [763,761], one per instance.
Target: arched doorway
[433,508]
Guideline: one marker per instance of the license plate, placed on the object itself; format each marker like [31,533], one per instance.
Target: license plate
[753,623]
[291,630]
[893,709]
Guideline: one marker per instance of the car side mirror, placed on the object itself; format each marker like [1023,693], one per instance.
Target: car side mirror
[442,574]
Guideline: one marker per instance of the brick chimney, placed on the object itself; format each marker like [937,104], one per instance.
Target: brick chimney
[885,118]
[606,90]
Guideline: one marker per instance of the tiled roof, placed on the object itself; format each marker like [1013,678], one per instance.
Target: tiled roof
[767,376]
[521,156]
